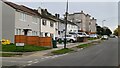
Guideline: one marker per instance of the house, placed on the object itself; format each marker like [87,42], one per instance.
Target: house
[71,27]
[92,26]
[21,20]
[49,23]
[84,22]
[57,25]
[79,18]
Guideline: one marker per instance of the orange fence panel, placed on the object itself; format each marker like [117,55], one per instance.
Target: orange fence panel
[34,40]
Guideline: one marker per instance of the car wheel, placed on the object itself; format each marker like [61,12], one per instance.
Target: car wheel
[72,41]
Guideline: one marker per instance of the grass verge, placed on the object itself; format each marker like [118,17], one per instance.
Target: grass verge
[61,51]
[92,38]
[26,48]
[83,45]
[9,55]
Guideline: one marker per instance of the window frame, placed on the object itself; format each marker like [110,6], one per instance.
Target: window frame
[22,16]
[44,22]
[51,24]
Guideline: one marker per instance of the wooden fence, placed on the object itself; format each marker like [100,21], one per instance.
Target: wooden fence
[34,40]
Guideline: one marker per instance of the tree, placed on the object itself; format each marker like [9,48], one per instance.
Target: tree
[99,30]
[108,32]
[117,31]
[103,31]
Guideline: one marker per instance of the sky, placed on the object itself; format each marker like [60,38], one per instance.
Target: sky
[101,10]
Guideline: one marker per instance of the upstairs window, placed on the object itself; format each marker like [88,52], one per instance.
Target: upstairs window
[23,16]
[59,32]
[51,24]
[44,22]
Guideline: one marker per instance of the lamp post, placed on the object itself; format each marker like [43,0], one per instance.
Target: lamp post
[66,14]
[103,23]
[103,26]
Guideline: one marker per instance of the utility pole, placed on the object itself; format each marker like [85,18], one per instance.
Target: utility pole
[66,14]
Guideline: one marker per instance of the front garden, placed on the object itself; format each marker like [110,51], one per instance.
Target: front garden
[26,48]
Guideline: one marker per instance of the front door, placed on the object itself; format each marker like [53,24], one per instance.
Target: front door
[25,32]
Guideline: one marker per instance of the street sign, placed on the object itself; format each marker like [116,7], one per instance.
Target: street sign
[20,44]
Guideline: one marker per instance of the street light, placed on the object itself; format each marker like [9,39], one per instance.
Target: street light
[103,23]
[66,14]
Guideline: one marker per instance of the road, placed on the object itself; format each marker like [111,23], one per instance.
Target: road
[104,54]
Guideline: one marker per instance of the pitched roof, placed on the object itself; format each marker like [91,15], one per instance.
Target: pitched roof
[21,8]
[45,14]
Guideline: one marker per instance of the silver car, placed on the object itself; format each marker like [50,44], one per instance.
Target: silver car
[104,37]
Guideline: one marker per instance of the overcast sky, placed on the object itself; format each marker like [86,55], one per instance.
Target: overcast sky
[103,10]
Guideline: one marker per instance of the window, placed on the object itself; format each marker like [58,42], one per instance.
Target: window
[18,31]
[34,33]
[51,35]
[51,24]
[23,16]
[44,22]
[59,32]
[80,33]
[90,23]
[56,23]
[68,35]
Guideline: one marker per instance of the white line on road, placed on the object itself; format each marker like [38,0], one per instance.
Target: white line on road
[42,58]
[36,62]
[30,61]
[36,59]
[29,64]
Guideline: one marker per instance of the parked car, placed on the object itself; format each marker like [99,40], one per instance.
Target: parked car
[82,34]
[93,36]
[104,37]
[70,38]
[112,36]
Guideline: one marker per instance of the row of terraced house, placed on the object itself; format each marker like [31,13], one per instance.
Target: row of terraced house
[22,20]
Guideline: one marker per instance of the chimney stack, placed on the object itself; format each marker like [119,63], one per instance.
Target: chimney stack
[57,15]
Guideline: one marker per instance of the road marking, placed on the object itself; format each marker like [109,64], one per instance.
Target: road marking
[36,59]
[24,65]
[36,62]
[30,61]
[81,48]
[42,58]
[29,64]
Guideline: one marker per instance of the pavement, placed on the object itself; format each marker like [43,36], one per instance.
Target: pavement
[35,57]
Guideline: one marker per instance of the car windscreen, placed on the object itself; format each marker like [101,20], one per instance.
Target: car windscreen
[80,33]
[68,35]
